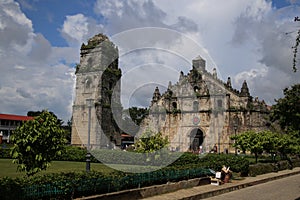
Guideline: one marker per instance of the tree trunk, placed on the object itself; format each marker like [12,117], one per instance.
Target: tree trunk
[256,156]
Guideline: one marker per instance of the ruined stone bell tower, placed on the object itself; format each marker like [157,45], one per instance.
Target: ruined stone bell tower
[97,78]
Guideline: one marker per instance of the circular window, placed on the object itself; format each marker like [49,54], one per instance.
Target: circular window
[196,120]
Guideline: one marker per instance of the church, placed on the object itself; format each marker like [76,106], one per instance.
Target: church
[200,111]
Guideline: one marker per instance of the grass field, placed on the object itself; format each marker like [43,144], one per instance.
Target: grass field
[10,169]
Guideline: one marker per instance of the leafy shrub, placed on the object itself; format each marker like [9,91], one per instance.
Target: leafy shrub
[159,158]
[236,163]
[5,152]
[261,168]
[215,162]
[77,184]
[11,188]
[187,158]
[283,165]
[295,162]
[72,153]
[117,156]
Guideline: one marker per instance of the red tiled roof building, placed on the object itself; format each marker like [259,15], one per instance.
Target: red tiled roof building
[9,122]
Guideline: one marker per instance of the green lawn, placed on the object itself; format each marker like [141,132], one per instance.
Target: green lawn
[9,169]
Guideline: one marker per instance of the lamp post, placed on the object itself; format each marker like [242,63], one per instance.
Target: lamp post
[88,154]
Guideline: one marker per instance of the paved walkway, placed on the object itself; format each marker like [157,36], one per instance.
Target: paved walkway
[287,188]
[207,191]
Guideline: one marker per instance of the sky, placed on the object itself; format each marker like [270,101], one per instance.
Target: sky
[40,45]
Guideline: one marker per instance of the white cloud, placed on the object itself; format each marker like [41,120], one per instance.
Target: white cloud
[235,33]
[19,67]
[40,48]
[242,37]
[15,27]
[124,15]
[78,28]
[33,77]
[11,9]
[109,8]
[75,28]
[272,49]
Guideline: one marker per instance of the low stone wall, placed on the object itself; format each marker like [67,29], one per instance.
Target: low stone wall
[140,193]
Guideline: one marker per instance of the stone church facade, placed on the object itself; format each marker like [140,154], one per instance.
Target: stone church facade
[198,111]
[201,111]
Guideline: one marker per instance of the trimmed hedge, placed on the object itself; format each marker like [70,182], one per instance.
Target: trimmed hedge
[5,153]
[174,159]
[236,163]
[58,186]
[11,188]
[283,165]
[72,153]
[261,168]
[73,185]
[296,163]
[161,158]
[215,162]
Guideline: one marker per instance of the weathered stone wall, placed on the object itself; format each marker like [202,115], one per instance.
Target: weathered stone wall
[201,102]
[97,76]
[86,88]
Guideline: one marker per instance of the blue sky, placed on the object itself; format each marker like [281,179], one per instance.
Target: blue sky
[243,39]
[48,16]
[282,3]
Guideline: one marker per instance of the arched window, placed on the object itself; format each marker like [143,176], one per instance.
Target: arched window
[174,104]
[111,85]
[220,103]
[196,89]
[87,83]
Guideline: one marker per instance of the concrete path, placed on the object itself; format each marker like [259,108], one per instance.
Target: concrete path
[287,188]
[207,191]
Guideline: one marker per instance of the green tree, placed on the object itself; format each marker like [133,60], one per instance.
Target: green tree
[270,142]
[249,141]
[38,113]
[68,131]
[150,142]
[137,114]
[132,118]
[37,142]
[286,111]
[289,144]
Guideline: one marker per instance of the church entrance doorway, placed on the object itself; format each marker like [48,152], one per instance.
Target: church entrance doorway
[197,138]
